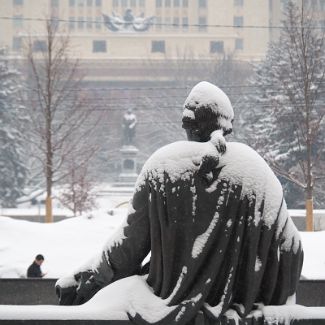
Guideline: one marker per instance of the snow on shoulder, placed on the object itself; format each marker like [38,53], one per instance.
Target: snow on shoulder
[179,160]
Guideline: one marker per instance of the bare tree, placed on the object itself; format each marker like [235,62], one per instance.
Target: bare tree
[78,195]
[286,114]
[59,131]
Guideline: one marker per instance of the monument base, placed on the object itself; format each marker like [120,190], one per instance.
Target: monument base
[128,173]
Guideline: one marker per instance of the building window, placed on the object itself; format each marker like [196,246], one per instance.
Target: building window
[167,22]
[133,3]
[39,46]
[238,3]
[185,22]
[72,23]
[202,3]
[124,3]
[176,3]
[168,3]
[202,23]
[185,3]
[142,3]
[115,3]
[158,22]
[55,22]
[81,3]
[158,46]
[18,2]
[81,22]
[17,21]
[322,5]
[239,44]
[216,47]
[98,22]
[238,21]
[55,3]
[98,3]
[16,43]
[158,3]
[72,3]
[89,23]
[314,4]
[176,22]
[89,3]
[99,46]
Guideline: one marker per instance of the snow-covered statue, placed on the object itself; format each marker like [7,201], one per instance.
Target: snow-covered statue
[128,22]
[213,216]
[128,124]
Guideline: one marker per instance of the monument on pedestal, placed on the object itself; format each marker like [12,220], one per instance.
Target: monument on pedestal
[128,151]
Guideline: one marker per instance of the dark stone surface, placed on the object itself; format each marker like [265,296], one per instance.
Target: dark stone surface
[199,321]
[306,322]
[311,293]
[64,322]
[27,292]
[42,292]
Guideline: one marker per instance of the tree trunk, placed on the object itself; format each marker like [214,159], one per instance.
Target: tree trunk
[309,215]
[49,170]
[48,210]
[310,182]
[309,209]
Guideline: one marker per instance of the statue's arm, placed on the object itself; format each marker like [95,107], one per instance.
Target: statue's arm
[122,257]
[134,122]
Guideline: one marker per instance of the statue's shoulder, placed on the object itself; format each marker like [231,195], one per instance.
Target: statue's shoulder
[178,160]
[242,165]
[242,155]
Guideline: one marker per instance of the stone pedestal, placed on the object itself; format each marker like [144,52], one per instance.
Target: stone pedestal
[128,174]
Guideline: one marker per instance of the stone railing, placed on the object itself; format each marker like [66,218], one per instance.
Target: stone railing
[41,292]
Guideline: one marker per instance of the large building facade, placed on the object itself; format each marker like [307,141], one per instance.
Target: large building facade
[198,28]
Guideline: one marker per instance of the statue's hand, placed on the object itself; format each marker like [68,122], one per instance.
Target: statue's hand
[87,287]
[66,290]
[219,141]
[78,289]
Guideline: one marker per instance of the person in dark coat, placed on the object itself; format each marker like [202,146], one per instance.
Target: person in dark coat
[34,270]
[213,216]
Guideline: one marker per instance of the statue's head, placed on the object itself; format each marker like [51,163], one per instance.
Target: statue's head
[206,109]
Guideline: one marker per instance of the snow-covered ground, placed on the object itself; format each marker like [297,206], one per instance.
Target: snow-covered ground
[65,244]
[68,244]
